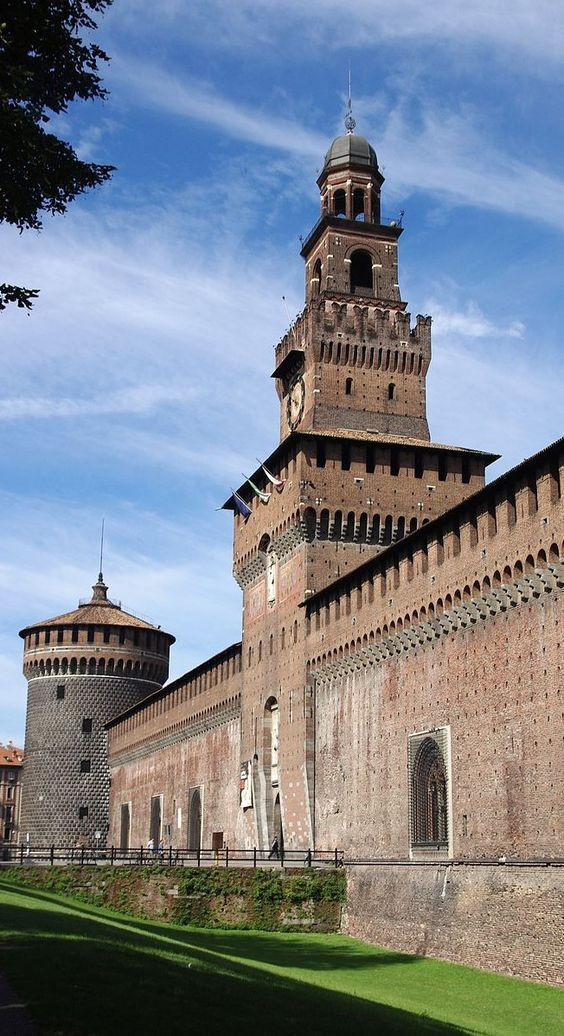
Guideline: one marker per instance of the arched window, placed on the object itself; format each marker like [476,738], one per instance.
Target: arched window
[316,279]
[340,204]
[195,820]
[270,740]
[429,795]
[348,387]
[358,204]
[338,525]
[310,521]
[362,280]
[391,391]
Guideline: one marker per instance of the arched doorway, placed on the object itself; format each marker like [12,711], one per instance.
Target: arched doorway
[195,820]
[277,830]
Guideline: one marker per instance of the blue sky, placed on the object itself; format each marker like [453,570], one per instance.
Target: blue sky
[139,387]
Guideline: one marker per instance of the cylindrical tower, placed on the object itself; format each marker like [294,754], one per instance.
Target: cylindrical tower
[83,668]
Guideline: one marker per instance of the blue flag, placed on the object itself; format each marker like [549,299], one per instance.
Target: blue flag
[241,506]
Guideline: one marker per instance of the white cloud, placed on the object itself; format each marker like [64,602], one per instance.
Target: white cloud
[426,147]
[140,399]
[469,322]
[158,88]
[534,32]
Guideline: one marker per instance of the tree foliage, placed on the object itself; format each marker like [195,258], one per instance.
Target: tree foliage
[45,65]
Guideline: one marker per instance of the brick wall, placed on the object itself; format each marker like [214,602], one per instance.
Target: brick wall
[507,919]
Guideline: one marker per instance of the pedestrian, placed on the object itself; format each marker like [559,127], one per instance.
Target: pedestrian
[274,850]
[151,844]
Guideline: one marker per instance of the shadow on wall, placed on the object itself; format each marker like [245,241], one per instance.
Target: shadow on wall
[85,972]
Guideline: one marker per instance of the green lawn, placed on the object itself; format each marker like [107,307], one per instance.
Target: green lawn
[83,970]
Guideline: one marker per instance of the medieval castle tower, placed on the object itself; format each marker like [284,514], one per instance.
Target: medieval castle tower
[397,687]
[82,668]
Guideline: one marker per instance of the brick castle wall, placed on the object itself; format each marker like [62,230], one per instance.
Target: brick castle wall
[507,919]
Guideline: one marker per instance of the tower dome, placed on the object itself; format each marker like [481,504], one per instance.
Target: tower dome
[83,668]
[350,150]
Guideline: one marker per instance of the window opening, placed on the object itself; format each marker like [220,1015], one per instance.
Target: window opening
[429,815]
[358,204]
[362,279]
[340,204]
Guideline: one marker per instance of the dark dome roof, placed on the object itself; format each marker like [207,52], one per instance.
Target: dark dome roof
[350,150]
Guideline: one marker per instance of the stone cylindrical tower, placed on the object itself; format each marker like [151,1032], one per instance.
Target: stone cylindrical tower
[83,668]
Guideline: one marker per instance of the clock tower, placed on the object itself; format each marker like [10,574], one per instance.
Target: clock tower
[354,471]
[351,360]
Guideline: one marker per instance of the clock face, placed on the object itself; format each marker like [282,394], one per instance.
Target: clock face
[296,401]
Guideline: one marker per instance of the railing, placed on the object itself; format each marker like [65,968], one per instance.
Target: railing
[53,855]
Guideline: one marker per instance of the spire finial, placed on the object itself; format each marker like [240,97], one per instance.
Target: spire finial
[349,121]
[100,576]
[100,589]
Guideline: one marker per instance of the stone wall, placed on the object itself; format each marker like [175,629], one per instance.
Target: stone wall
[57,790]
[299,900]
[503,918]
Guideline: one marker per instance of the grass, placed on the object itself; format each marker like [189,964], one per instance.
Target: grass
[86,970]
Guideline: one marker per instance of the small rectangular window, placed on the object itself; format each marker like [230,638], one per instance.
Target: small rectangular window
[47,636]
[86,726]
[60,691]
[60,634]
[82,812]
[36,639]
[85,765]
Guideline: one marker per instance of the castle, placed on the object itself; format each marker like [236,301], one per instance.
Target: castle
[397,688]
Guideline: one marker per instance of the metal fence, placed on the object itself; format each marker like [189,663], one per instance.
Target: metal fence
[54,855]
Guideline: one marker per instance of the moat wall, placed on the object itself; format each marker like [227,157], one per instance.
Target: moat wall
[267,900]
[502,918]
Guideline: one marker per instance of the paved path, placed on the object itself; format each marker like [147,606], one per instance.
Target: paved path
[14,1018]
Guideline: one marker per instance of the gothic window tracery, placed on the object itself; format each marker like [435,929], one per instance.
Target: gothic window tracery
[429,795]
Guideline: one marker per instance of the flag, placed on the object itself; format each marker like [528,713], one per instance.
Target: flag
[265,497]
[241,506]
[278,483]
